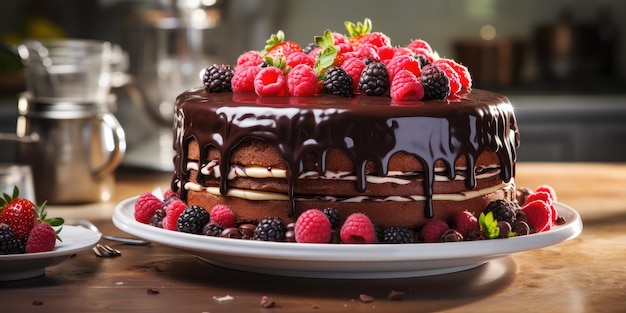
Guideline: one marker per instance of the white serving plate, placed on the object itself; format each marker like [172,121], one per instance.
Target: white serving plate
[347,261]
[28,265]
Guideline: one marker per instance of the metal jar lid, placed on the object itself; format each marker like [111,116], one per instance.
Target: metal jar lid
[60,108]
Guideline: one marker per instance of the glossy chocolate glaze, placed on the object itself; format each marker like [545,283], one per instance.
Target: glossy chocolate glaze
[368,129]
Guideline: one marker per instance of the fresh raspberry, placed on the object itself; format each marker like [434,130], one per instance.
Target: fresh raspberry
[269,82]
[173,209]
[145,206]
[464,222]
[465,79]
[169,194]
[538,215]
[344,47]
[424,56]
[42,238]
[453,77]
[339,38]
[354,67]
[366,51]
[419,45]
[223,216]
[549,190]
[297,58]
[432,231]
[312,226]
[386,53]
[357,228]
[249,58]
[302,80]
[243,79]
[547,198]
[405,86]
[376,39]
[403,62]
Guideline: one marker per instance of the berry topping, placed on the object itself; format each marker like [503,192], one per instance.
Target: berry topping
[406,86]
[358,228]
[173,209]
[312,226]
[217,78]
[270,81]
[432,231]
[450,235]
[145,206]
[157,218]
[397,234]
[270,229]
[435,82]
[403,62]
[502,210]
[333,216]
[549,190]
[354,67]
[374,80]
[223,216]
[212,229]
[249,58]
[243,79]
[338,82]
[538,215]
[302,81]
[277,46]
[19,213]
[192,219]
[464,222]
[453,77]
[297,58]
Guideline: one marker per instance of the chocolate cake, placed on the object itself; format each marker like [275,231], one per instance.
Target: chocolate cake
[400,163]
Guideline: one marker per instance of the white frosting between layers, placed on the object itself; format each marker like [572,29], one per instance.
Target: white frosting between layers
[212,169]
[263,195]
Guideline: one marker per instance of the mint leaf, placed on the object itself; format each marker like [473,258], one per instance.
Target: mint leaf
[489,225]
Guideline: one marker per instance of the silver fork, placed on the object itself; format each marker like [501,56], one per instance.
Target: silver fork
[129,241]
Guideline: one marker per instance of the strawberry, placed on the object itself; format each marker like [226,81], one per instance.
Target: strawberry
[18,213]
[42,238]
[277,46]
[361,33]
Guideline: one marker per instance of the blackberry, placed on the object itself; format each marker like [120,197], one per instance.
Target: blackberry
[333,216]
[217,78]
[192,219]
[397,234]
[502,210]
[157,218]
[337,82]
[435,82]
[374,80]
[310,47]
[8,243]
[270,229]
[423,60]
[212,229]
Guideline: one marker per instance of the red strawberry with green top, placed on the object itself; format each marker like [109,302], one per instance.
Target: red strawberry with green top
[18,213]
[277,46]
[361,33]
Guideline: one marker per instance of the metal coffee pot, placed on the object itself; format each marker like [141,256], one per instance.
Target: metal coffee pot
[65,127]
[73,149]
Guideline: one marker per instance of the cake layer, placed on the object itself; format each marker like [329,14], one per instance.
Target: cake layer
[326,149]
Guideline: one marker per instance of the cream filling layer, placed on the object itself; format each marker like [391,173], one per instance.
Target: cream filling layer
[263,195]
[212,169]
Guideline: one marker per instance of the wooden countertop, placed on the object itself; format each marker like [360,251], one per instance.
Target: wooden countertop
[585,274]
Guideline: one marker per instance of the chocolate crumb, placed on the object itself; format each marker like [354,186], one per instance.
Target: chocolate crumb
[395,295]
[37,302]
[366,298]
[267,302]
[152,291]
[315,307]
[560,220]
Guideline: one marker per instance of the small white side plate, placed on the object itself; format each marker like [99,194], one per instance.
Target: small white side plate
[28,265]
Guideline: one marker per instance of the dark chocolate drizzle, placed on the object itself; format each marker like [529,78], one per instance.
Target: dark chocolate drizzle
[368,129]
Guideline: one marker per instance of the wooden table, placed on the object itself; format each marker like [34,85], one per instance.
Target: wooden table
[585,274]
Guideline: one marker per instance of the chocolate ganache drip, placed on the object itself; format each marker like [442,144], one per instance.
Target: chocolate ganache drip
[368,129]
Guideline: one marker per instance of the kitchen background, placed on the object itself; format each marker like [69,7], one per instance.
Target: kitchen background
[562,63]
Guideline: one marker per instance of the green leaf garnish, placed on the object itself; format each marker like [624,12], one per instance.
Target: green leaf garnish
[274,40]
[327,55]
[360,29]
[489,225]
